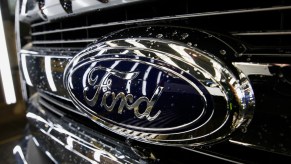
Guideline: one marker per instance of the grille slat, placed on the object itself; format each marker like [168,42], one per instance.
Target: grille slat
[246,24]
[63,41]
[57,105]
[255,33]
[50,107]
[203,14]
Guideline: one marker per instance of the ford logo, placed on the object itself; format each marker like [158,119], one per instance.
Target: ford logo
[158,91]
[105,85]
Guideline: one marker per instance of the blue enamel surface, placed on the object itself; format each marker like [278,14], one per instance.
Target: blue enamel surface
[179,103]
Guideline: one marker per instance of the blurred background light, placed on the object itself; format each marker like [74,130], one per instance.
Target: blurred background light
[5,68]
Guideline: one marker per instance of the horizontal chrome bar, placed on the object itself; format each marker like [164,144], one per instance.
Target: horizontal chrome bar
[193,15]
[51,108]
[65,134]
[63,41]
[211,155]
[40,23]
[258,33]
[60,104]
[52,56]
[268,54]
[57,96]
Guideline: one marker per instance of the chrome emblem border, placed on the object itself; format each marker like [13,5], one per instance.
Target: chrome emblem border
[223,82]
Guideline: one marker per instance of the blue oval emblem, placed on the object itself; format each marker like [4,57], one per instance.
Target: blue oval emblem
[171,94]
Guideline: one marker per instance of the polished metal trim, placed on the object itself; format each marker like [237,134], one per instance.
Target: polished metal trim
[261,33]
[17,150]
[87,145]
[43,56]
[63,41]
[24,69]
[241,143]
[40,23]
[86,27]
[57,96]
[18,48]
[254,68]
[44,52]
[36,53]
[268,54]
[48,73]
[50,107]
[211,155]
[211,72]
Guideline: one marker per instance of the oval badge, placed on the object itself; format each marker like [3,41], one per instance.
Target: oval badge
[158,91]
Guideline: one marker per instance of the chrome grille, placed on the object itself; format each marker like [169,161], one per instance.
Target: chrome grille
[246,22]
[263,26]
[59,106]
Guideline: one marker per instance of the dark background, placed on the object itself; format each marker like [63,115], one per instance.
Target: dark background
[12,117]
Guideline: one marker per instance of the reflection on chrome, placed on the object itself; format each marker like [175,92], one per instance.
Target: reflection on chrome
[23,7]
[231,95]
[166,59]
[229,100]
[138,53]
[24,69]
[217,68]
[114,64]
[129,81]
[29,52]
[135,43]
[35,141]
[43,71]
[51,157]
[48,71]
[144,81]
[241,143]
[17,150]
[124,52]
[111,44]
[70,142]
[86,74]
[215,91]
[52,9]
[80,144]
[181,51]
[159,77]
[253,68]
